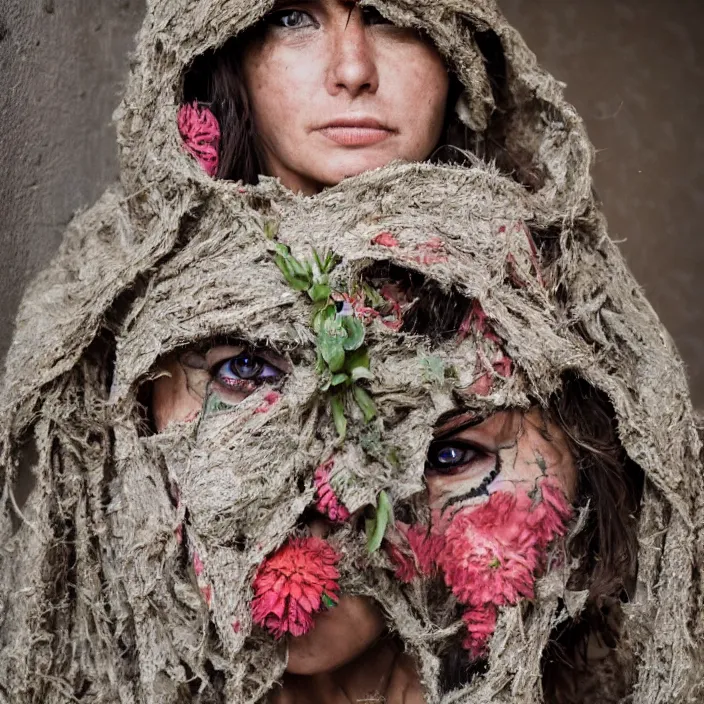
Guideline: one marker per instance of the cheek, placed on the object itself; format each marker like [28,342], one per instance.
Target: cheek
[172,402]
[339,636]
[279,85]
[418,89]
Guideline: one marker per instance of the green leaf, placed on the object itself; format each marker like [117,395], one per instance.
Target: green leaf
[282,250]
[328,601]
[355,333]
[358,358]
[373,297]
[376,527]
[433,369]
[365,402]
[339,379]
[319,293]
[318,263]
[338,416]
[332,351]
[293,280]
[360,373]
[300,270]
[270,230]
[322,316]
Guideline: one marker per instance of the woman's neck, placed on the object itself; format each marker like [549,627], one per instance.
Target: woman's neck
[382,674]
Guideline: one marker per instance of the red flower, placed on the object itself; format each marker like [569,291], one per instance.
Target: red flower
[405,567]
[327,502]
[492,553]
[480,623]
[292,585]
[200,132]
[426,547]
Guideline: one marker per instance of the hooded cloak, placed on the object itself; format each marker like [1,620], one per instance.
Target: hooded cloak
[97,603]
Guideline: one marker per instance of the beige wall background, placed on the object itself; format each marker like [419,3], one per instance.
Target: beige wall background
[633,68]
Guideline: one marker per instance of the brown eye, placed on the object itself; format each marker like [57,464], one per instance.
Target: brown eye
[448,456]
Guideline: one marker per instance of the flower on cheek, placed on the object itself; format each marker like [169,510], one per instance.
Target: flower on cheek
[480,623]
[200,132]
[490,555]
[293,584]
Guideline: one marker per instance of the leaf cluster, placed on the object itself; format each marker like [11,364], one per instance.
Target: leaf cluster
[343,359]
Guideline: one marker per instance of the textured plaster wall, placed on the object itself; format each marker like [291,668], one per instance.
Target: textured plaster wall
[634,69]
[62,64]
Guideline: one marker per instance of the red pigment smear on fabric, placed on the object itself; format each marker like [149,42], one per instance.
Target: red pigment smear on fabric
[362,311]
[270,400]
[430,252]
[200,132]
[236,627]
[178,532]
[207,594]
[327,501]
[290,585]
[385,239]
[197,564]
[394,320]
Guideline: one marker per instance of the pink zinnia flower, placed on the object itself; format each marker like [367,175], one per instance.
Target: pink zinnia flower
[293,584]
[481,623]
[426,547]
[405,566]
[327,501]
[200,132]
[492,553]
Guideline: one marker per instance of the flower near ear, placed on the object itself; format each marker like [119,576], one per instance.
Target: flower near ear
[294,583]
[200,132]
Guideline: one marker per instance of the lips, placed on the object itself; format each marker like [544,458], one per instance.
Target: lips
[356,131]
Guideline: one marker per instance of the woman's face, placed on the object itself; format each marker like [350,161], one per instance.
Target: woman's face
[467,461]
[335,90]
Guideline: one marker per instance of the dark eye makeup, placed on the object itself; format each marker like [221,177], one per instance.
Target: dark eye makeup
[450,456]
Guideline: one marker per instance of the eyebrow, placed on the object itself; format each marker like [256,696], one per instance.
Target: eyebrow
[455,422]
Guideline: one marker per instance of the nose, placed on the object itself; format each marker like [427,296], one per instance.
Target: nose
[352,67]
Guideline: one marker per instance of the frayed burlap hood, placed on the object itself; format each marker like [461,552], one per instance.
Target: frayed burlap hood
[95,602]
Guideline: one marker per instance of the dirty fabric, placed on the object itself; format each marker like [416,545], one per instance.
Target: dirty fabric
[98,603]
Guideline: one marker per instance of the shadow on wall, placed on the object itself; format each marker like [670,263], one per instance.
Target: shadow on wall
[633,70]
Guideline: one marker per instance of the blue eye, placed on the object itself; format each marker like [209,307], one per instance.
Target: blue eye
[290,19]
[444,456]
[246,367]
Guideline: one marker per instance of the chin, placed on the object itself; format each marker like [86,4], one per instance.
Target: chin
[339,637]
[356,164]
